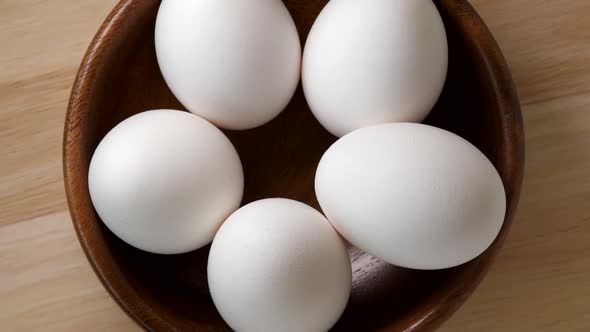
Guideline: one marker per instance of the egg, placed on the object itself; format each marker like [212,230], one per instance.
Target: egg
[413,195]
[235,63]
[163,181]
[278,265]
[372,62]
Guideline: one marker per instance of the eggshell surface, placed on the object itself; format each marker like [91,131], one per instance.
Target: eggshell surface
[163,181]
[236,63]
[413,195]
[371,62]
[278,265]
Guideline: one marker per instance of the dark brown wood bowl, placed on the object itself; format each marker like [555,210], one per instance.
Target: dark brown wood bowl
[119,77]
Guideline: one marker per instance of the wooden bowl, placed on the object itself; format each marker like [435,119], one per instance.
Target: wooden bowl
[119,77]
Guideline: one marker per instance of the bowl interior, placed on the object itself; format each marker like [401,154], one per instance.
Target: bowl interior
[120,77]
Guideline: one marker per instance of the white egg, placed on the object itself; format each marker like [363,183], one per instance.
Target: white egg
[278,265]
[413,195]
[235,63]
[163,181]
[371,62]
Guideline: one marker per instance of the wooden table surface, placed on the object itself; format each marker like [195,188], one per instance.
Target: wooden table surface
[540,281]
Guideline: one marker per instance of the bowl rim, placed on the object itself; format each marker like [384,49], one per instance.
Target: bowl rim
[438,307]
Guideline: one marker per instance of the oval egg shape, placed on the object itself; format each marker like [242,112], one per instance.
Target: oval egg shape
[235,63]
[278,265]
[372,62]
[413,195]
[163,181]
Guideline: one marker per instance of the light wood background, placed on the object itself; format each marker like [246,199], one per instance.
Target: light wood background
[540,282]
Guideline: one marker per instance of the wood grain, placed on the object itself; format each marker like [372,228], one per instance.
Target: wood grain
[538,283]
